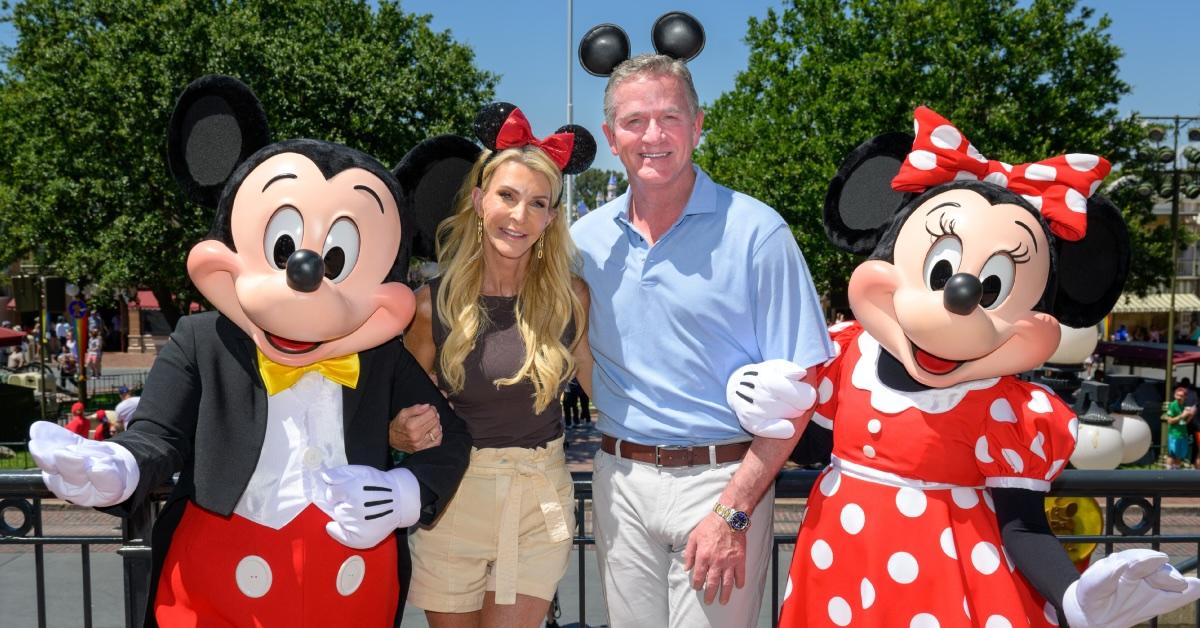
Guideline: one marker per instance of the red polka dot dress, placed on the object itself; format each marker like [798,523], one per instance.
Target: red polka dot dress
[900,530]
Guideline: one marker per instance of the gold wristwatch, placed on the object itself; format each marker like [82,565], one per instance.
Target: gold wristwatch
[738,520]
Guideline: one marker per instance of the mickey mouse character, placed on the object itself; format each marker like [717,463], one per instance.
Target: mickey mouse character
[275,408]
[931,511]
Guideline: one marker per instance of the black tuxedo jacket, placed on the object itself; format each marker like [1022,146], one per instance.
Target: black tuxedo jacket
[203,414]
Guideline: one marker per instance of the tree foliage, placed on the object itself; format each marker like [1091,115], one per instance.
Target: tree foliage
[89,87]
[593,181]
[1022,82]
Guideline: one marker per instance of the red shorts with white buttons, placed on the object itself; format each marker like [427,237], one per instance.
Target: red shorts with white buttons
[230,571]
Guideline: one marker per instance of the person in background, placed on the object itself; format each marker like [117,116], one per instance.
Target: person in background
[67,368]
[1178,441]
[79,423]
[104,428]
[126,406]
[95,352]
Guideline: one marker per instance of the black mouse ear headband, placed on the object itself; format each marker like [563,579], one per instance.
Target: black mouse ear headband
[675,34]
[501,125]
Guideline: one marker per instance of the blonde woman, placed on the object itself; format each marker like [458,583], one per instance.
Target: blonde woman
[502,330]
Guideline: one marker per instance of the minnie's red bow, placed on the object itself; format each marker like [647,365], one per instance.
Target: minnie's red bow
[1058,187]
[516,132]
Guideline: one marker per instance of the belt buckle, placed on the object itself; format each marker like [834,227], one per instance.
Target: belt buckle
[658,453]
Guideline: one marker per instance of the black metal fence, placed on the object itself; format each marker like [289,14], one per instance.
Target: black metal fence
[1156,509]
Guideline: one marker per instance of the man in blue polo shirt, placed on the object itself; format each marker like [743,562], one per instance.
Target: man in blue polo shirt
[689,280]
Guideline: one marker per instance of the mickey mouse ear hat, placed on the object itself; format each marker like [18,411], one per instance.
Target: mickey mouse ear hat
[675,34]
[502,125]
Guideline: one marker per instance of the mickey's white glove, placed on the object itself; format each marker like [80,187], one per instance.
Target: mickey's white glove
[369,504]
[1125,589]
[766,396]
[82,471]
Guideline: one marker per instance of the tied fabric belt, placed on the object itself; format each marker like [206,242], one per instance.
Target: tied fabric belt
[674,456]
[516,470]
[887,478]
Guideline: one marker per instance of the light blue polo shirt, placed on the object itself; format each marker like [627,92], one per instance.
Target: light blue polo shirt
[725,286]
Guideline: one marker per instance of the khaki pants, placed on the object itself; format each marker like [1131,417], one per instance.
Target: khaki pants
[643,515]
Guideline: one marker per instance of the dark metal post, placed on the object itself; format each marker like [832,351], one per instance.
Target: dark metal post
[135,552]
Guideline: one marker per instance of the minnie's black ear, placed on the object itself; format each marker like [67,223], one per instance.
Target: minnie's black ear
[489,120]
[217,123]
[861,203]
[603,48]
[430,176]
[582,152]
[678,34]
[1092,271]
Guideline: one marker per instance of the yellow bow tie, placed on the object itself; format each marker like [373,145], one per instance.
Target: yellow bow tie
[277,377]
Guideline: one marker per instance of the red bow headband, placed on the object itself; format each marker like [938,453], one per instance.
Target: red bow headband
[1058,187]
[516,132]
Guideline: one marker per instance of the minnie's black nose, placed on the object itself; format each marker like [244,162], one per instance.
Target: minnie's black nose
[305,270]
[961,293]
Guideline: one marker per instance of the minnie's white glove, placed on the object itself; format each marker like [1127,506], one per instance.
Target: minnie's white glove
[82,471]
[1125,589]
[369,504]
[766,396]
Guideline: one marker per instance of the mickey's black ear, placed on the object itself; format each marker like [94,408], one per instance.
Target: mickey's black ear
[1092,271]
[603,48]
[678,34]
[489,120]
[430,176]
[582,152]
[217,123]
[861,203]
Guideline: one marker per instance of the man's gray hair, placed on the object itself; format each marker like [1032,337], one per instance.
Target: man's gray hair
[649,65]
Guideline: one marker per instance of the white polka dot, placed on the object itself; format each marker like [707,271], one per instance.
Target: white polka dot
[963,175]
[964,498]
[1007,167]
[1092,188]
[868,451]
[966,607]
[916,127]
[824,390]
[1073,427]
[1013,459]
[820,420]
[981,450]
[985,558]
[922,160]
[1082,161]
[822,554]
[911,501]
[1076,202]
[947,542]
[902,567]
[1036,201]
[997,178]
[839,611]
[831,482]
[853,518]
[867,591]
[1001,410]
[1038,446]
[974,153]
[1050,614]
[924,620]
[1039,402]
[946,136]
[997,621]
[1040,172]
[874,426]
[987,500]
[1054,467]
[787,590]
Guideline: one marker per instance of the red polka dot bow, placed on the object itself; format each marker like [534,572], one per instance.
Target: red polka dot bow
[516,132]
[1058,187]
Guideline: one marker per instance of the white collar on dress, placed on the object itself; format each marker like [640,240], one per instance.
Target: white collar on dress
[892,401]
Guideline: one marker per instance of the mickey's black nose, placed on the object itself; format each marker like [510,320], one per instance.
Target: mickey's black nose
[305,271]
[961,293]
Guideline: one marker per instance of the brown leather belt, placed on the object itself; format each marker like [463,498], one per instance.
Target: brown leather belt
[674,456]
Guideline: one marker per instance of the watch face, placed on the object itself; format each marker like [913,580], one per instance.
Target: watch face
[739,521]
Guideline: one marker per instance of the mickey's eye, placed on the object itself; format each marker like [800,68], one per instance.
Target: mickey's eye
[284,231]
[997,280]
[341,250]
[942,262]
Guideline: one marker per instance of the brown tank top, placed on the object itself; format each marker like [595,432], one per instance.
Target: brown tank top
[498,416]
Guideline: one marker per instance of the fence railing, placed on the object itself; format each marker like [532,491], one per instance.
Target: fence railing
[1134,514]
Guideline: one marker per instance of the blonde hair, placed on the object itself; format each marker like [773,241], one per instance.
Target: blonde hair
[546,301]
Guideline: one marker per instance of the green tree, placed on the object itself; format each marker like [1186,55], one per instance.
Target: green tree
[89,87]
[1023,82]
[594,180]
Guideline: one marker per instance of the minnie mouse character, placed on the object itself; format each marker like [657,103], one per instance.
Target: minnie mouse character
[931,511]
[275,408]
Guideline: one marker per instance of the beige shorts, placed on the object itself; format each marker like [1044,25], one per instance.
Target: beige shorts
[508,529]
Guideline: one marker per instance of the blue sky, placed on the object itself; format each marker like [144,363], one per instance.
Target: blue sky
[526,44]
